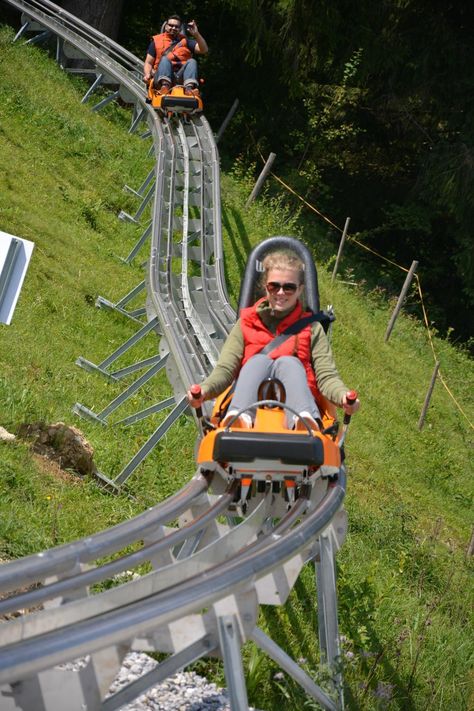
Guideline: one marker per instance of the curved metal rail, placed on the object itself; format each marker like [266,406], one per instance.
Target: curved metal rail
[207,578]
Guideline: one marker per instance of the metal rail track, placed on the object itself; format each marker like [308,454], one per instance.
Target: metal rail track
[206,579]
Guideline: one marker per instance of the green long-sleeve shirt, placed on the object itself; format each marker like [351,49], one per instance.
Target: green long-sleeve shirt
[230,359]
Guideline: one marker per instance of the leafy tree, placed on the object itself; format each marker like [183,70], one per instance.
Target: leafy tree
[371,115]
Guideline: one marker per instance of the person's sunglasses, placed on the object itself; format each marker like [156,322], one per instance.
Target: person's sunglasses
[273,287]
[174,27]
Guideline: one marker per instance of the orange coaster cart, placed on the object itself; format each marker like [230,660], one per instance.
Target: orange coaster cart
[271,454]
[175,102]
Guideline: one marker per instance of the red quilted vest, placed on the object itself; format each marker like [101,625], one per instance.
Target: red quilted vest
[178,55]
[257,335]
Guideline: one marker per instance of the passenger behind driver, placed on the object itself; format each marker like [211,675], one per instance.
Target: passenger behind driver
[170,59]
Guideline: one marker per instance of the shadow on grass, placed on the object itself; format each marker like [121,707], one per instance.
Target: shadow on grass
[302,615]
[241,245]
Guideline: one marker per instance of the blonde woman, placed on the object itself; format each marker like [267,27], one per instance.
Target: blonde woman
[303,361]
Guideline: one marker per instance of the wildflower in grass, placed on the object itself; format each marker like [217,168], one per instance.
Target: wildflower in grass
[384,691]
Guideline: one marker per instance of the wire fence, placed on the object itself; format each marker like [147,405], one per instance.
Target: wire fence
[359,244]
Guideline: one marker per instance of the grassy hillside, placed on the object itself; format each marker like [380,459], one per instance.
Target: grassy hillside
[405,584]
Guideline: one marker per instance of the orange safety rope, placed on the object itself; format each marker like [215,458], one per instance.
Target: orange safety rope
[349,237]
[443,381]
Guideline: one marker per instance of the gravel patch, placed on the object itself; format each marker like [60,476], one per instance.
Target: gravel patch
[185,691]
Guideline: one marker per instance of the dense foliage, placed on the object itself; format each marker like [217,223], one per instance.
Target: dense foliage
[369,109]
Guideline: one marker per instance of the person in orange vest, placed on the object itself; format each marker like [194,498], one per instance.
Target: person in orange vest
[303,362]
[170,58]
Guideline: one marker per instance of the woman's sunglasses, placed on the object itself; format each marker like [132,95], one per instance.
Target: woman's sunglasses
[273,287]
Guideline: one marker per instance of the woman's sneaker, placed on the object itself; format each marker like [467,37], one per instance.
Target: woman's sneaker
[304,420]
[243,420]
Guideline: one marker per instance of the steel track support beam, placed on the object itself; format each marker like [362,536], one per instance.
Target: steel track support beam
[327,612]
[53,690]
[107,100]
[163,671]
[229,637]
[21,31]
[144,238]
[152,410]
[119,306]
[125,217]
[294,670]
[149,445]
[92,88]
[83,411]
[138,116]
[141,190]
[134,315]
[103,366]
[227,119]
[129,369]
[42,37]
[6,272]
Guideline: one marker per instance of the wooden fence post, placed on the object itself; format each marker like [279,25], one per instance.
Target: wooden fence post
[470,548]
[339,251]
[261,179]
[227,119]
[401,299]
[426,405]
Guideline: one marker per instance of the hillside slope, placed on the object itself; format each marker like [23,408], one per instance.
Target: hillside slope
[405,594]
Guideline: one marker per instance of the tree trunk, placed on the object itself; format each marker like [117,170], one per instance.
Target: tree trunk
[104,15]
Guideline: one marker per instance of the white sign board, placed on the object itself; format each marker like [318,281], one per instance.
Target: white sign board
[15,254]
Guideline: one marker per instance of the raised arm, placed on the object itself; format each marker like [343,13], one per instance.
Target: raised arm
[201,44]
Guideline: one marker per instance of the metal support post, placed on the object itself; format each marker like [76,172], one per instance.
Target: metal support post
[119,306]
[21,31]
[291,668]
[102,367]
[401,299]
[341,246]
[163,671]
[42,37]
[59,48]
[261,179]
[146,234]
[229,638]
[145,450]
[107,100]
[83,411]
[139,365]
[92,88]
[136,218]
[426,404]
[143,186]
[143,414]
[227,120]
[327,611]
[136,120]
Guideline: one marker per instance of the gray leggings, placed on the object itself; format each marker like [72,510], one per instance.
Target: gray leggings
[288,369]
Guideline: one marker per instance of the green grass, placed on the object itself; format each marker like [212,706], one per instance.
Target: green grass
[405,585]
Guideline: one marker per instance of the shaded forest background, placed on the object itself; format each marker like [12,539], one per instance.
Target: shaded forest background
[369,107]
